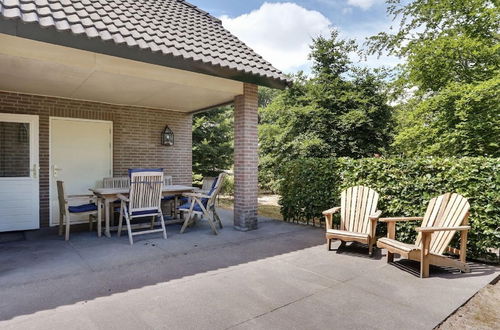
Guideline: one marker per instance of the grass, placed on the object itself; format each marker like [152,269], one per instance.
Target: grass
[265,209]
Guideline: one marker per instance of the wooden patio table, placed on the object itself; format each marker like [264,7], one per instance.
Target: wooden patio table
[109,195]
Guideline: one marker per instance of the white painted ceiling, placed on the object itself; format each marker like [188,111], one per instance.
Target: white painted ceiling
[34,67]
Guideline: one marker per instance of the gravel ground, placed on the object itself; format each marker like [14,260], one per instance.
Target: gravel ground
[480,313]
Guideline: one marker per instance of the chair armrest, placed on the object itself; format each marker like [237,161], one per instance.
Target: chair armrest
[195,195]
[332,210]
[375,216]
[433,229]
[91,197]
[122,198]
[80,196]
[400,219]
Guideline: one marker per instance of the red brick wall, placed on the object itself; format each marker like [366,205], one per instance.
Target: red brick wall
[246,159]
[136,139]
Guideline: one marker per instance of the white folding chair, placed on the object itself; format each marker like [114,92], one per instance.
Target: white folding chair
[144,200]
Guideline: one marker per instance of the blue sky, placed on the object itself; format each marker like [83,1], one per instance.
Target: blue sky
[281,31]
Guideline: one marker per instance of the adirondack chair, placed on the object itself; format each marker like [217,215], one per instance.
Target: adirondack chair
[144,200]
[65,210]
[358,217]
[203,204]
[445,215]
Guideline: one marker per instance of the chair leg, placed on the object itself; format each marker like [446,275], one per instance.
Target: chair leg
[153,222]
[162,222]
[67,228]
[370,249]
[129,230]
[187,220]
[217,218]
[90,223]
[61,224]
[211,222]
[120,222]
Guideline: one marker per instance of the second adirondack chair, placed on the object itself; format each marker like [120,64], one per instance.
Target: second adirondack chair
[445,215]
[358,217]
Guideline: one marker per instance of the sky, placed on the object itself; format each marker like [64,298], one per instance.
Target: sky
[281,31]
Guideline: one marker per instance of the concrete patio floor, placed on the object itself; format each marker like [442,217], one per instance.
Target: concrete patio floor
[278,277]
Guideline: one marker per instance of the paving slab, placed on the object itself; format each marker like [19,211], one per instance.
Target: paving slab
[278,277]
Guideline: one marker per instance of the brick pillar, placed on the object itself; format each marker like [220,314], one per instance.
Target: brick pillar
[246,159]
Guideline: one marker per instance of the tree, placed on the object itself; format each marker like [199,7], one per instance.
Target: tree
[452,68]
[213,141]
[341,111]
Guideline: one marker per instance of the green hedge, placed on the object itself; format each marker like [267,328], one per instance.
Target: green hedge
[309,186]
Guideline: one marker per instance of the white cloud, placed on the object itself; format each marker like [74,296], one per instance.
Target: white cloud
[363,4]
[280,32]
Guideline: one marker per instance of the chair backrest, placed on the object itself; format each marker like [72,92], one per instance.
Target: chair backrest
[146,187]
[117,182]
[357,204]
[215,189]
[448,210]
[61,197]
[167,180]
[208,182]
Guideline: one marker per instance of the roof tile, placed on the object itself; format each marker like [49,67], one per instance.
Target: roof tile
[174,27]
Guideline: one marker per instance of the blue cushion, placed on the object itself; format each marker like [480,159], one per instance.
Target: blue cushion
[145,213]
[83,208]
[196,207]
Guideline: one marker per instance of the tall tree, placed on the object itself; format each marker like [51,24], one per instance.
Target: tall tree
[213,141]
[452,70]
[341,111]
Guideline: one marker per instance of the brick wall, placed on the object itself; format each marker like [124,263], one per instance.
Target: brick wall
[136,139]
[246,159]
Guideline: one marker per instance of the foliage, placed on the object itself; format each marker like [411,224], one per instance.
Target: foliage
[462,120]
[309,186]
[212,141]
[341,111]
[452,58]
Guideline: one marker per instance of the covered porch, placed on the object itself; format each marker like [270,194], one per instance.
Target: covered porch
[93,115]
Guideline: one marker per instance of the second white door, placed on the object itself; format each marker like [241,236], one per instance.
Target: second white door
[81,155]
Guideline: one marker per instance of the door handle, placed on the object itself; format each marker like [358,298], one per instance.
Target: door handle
[34,171]
[55,171]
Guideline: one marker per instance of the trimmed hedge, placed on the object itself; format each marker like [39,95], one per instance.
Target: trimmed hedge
[309,186]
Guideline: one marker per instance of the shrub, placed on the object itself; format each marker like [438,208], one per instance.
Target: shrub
[309,186]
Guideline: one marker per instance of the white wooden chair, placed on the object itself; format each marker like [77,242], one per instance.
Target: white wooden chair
[144,200]
[65,209]
[358,217]
[203,205]
[445,215]
[116,182]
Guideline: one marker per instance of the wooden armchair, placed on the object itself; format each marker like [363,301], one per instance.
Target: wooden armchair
[358,217]
[203,204]
[65,209]
[144,200]
[445,215]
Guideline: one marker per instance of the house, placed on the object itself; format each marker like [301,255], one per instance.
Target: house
[87,88]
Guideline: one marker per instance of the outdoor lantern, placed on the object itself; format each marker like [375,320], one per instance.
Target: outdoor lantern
[167,137]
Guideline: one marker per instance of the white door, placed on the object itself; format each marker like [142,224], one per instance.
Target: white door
[19,187]
[81,155]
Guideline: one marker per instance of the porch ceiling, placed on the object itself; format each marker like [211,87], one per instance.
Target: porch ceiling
[35,67]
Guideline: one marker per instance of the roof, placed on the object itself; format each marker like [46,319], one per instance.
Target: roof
[171,33]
